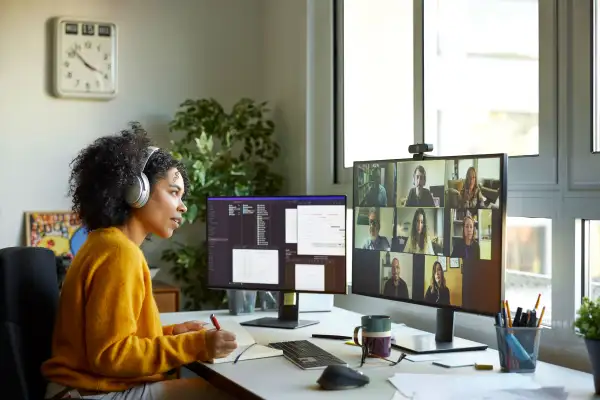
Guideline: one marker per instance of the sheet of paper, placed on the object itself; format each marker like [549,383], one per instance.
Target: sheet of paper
[310,277]
[418,386]
[521,394]
[242,336]
[422,357]
[397,396]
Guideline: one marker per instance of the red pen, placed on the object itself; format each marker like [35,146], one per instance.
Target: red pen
[215,322]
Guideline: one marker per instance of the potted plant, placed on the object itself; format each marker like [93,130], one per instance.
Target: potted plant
[587,324]
[226,154]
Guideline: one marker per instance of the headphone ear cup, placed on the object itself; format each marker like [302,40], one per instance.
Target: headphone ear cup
[137,194]
[132,195]
[144,192]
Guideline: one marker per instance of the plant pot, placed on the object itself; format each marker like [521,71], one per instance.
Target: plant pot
[593,348]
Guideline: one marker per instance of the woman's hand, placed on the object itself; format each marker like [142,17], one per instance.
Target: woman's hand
[220,344]
[189,326]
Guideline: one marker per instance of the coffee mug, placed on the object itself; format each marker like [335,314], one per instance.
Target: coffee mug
[376,335]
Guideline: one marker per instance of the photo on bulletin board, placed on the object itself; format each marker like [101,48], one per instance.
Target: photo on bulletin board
[455,263]
[59,231]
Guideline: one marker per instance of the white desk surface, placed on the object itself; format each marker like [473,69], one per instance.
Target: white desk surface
[277,378]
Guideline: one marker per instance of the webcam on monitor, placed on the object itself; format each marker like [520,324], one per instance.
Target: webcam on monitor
[418,150]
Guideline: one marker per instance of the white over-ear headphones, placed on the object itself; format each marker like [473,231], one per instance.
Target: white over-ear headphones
[138,193]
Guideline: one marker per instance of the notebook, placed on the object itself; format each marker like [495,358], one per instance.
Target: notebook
[247,346]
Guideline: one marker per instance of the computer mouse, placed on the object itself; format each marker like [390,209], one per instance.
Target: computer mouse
[339,377]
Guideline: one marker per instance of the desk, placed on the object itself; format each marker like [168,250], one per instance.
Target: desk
[277,378]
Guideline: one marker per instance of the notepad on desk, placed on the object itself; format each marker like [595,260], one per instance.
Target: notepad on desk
[247,346]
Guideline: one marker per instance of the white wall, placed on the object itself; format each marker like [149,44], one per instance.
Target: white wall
[285,83]
[168,51]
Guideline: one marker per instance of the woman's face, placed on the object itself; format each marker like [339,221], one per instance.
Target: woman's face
[162,214]
[420,223]
[438,273]
[468,226]
[471,179]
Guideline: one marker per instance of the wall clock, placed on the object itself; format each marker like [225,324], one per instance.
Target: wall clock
[85,59]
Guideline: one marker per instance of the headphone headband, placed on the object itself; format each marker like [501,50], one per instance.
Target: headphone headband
[151,150]
[139,192]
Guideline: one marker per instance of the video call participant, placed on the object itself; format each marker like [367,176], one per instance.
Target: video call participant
[437,292]
[467,246]
[395,286]
[375,241]
[377,195]
[419,241]
[470,195]
[108,340]
[419,195]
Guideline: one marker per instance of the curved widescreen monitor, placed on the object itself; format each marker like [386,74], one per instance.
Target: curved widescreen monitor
[431,231]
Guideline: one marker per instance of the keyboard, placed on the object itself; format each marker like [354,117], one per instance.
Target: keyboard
[307,355]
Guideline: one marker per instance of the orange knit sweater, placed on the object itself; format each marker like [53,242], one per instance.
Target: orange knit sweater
[108,335]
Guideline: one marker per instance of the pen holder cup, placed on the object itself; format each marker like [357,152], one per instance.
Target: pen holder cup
[241,301]
[518,348]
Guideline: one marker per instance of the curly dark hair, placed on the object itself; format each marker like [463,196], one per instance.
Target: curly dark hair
[102,172]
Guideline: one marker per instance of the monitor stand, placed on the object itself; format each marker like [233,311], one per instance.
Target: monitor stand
[288,314]
[442,342]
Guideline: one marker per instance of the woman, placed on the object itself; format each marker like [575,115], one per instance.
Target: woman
[467,246]
[108,341]
[470,195]
[419,242]
[437,292]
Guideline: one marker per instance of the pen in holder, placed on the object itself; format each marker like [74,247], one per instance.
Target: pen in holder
[518,348]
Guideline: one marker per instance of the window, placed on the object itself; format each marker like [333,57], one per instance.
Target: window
[498,76]
[528,264]
[596,75]
[377,79]
[592,259]
[481,79]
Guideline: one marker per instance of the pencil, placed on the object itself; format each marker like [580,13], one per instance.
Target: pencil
[508,315]
[537,303]
[541,316]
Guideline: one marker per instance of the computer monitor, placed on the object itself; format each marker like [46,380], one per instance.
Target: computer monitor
[431,231]
[291,244]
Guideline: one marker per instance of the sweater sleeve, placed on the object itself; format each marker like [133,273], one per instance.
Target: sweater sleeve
[168,329]
[113,303]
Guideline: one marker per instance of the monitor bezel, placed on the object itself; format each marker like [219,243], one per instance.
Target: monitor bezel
[282,197]
[503,157]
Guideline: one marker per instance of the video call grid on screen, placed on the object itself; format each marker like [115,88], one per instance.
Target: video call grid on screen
[431,231]
[286,243]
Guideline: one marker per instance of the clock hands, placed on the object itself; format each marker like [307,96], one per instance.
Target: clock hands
[91,67]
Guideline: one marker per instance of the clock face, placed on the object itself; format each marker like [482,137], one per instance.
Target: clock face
[85,59]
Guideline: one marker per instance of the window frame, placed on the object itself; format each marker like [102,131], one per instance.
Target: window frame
[544,177]
[561,189]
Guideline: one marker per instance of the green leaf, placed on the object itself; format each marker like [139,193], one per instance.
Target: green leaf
[192,212]
[587,322]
